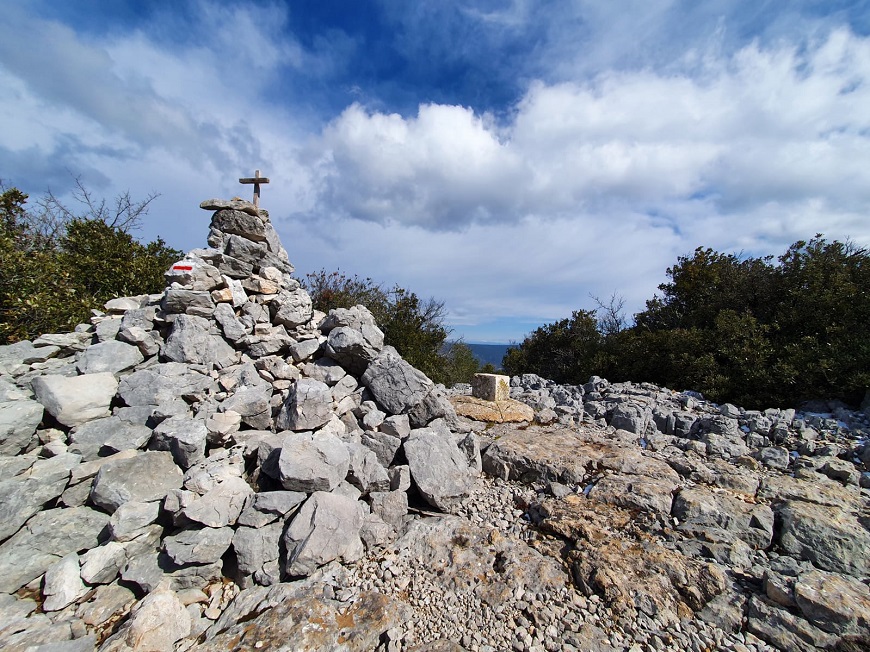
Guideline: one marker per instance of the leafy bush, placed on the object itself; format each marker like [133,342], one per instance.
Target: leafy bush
[55,266]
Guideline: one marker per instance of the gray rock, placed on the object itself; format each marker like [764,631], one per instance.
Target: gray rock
[635,492]
[391,506]
[158,622]
[267,507]
[147,477]
[775,457]
[256,547]
[308,406]
[291,309]
[162,383]
[148,342]
[631,417]
[130,520]
[18,422]
[45,538]
[830,538]
[139,318]
[191,341]
[253,404]
[185,438]
[101,565]
[438,468]
[107,436]
[72,401]
[194,273]
[233,328]
[325,528]
[783,629]
[397,425]
[246,224]
[350,348]
[110,356]
[394,383]
[199,546]
[221,505]
[179,300]
[62,585]
[383,445]
[22,497]
[326,370]
[698,506]
[365,471]
[838,604]
[304,350]
[312,462]
[232,204]
[400,477]
[433,406]
[68,342]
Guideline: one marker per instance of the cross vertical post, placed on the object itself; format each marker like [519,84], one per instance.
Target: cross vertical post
[256,180]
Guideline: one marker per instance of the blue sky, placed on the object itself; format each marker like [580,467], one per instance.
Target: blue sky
[509,158]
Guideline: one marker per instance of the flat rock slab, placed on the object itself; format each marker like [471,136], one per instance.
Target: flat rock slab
[199,546]
[75,400]
[221,505]
[325,528]
[110,356]
[22,497]
[394,383]
[45,539]
[287,618]
[542,452]
[503,411]
[191,341]
[107,436]
[312,462]
[162,383]
[147,477]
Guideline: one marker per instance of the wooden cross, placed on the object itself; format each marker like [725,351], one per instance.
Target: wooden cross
[256,180]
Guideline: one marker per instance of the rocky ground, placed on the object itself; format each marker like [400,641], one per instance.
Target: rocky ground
[219,467]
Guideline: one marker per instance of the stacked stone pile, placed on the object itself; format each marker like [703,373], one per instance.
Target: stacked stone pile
[220,467]
[220,430]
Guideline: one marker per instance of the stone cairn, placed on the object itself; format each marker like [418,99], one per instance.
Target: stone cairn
[220,467]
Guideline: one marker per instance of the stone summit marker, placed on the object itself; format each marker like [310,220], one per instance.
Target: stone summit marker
[256,180]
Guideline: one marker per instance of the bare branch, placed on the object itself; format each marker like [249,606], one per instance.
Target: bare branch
[611,315]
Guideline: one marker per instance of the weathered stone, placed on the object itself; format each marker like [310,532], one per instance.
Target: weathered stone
[242,222]
[44,539]
[198,546]
[635,492]
[325,528]
[183,437]
[18,422]
[234,205]
[398,426]
[147,477]
[131,519]
[72,401]
[312,462]
[279,618]
[221,505]
[232,327]
[156,623]
[256,547]
[267,507]
[148,342]
[838,604]
[101,565]
[304,350]
[291,309]
[108,601]
[783,629]
[253,404]
[308,406]
[751,522]
[62,585]
[830,538]
[504,411]
[435,405]
[439,469]
[111,356]
[22,497]
[193,273]
[365,471]
[350,348]
[391,506]
[394,383]
[326,370]
[191,341]
[775,457]
[107,436]
[162,383]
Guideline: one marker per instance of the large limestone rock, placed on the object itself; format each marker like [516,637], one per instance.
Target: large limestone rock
[191,341]
[394,383]
[438,467]
[312,462]
[75,400]
[183,437]
[308,406]
[147,477]
[158,622]
[45,539]
[108,435]
[162,383]
[221,505]
[325,528]
[110,356]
